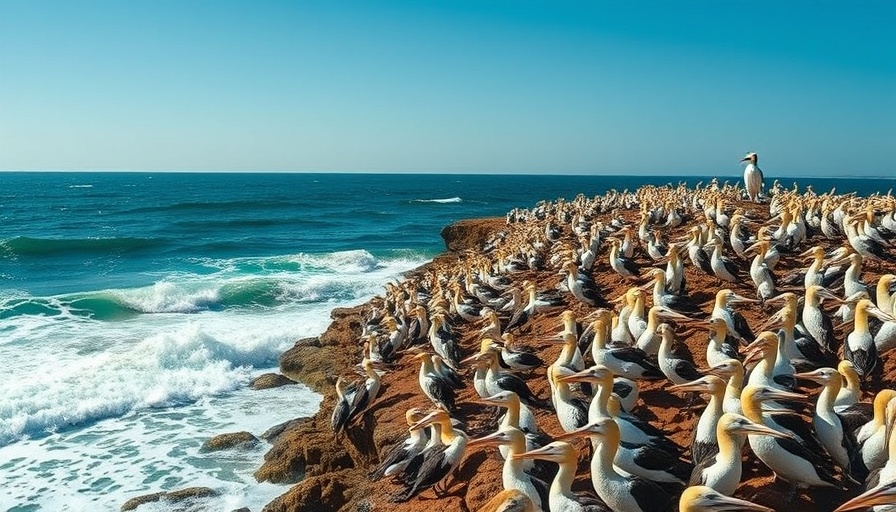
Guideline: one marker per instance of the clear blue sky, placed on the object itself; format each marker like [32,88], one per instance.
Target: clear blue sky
[451,86]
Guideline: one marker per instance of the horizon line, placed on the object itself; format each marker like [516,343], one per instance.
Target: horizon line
[732,174]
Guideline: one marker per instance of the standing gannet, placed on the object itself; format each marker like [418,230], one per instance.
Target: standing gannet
[760,272]
[851,391]
[623,266]
[696,252]
[800,460]
[524,313]
[620,492]
[649,340]
[737,235]
[644,451]
[433,384]
[581,285]
[885,337]
[439,461]
[720,347]
[518,359]
[753,179]
[703,441]
[675,282]
[872,437]
[630,362]
[724,268]
[571,412]
[637,320]
[737,324]
[817,323]
[561,498]
[345,393]
[699,498]
[773,368]
[497,380]
[513,475]
[661,297]
[839,442]
[401,454]
[853,287]
[794,348]
[444,340]
[721,469]
[733,371]
[867,246]
[859,348]
[518,416]
[675,368]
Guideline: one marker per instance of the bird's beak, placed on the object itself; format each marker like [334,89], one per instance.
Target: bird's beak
[575,434]
[810,253]
[729,504]
[490,439]
[472,359]
[583,376]
[533,454]
[884,495]
[880,314]
[425,422]
[740,299]
[757,428]
[690,386]
[778,394]
[814,376]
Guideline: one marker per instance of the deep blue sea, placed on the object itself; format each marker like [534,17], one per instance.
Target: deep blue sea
[135,307]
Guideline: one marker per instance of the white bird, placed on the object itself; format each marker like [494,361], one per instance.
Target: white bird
[753,179]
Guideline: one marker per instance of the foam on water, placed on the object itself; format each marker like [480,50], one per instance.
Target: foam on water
[102,406]
[446,200]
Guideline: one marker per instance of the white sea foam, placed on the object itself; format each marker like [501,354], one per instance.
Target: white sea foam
[93,412]
[446,200]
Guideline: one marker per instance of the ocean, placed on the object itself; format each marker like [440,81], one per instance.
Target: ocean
[135,308]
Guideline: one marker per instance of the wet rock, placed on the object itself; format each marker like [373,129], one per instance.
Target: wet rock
[270,435]
[173,497]
[271,380]
[233,440]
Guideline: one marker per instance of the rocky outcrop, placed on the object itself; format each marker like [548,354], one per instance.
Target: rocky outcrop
[471,234]
[270,380]
[173,497]
[231,441]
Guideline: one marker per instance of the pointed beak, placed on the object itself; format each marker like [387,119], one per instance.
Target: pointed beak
[585,431]
[533,454]
[880,314]
[425,422]
[738,299]
[777,394]
[756,428]
[493,438]
[690,386]
[813,376]
[729,504]
[885,495]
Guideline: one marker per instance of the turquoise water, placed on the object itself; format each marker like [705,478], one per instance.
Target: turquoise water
[134,308]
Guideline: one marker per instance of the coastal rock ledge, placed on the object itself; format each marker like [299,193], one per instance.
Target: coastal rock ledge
[233,440]
[173,497]
[332,472]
